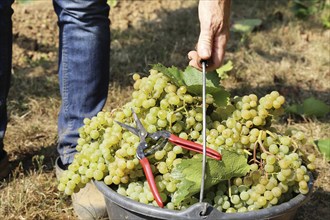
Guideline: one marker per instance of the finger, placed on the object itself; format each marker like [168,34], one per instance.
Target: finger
[194,63]
[205,41]
[218,52]
[194,59]
[192,55]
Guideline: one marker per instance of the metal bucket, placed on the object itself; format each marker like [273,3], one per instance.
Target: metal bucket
[120,207]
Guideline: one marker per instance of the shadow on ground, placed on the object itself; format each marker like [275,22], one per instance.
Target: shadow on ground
[165,41]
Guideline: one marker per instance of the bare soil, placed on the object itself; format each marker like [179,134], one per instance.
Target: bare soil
[284,54]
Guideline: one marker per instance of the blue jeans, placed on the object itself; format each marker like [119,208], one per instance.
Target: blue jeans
[84,50]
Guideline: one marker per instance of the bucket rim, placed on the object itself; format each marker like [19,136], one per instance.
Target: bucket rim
[195,210]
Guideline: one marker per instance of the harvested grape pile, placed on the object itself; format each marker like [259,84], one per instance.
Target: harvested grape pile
[260,167]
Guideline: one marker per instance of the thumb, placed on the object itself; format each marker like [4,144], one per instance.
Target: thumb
[204,46]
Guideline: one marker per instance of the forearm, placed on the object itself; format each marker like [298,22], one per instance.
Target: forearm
[214,18]
[214,11]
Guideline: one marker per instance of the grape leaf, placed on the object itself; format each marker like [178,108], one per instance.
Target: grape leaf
[310,107]
[315,107]
[173,73]
[245,25]
[221,97]
[295,109]
[222,71]
[189,173]
[324,147]
[193,79]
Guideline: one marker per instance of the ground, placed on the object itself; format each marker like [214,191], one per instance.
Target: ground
[285,54]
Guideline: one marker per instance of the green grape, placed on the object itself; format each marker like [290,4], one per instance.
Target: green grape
[194,134]
[227,133]
[177,149]
[242,209]
[238,181]
[263,180]
[277,192]
[303,191]
[68,191]
[252,208]
[108,180]
[234,189]
[106,151]
[61,187]
[284,163]
[254,167]
[268,104]
[188,99]
[226,205]
[246,114]
[257,121]
[285,141]
[245,140]
[231,123]
[164,104]
[171,187]
[183,135]
[261,201]
[235,199]
[244,196]
[311,158]
[311,166]
[280,99]
[273,149]
[269,168]
[286,172]
[199,117]
[260,188]
[276,104]
[198,127]
[177,127]
[253,104]
[254,195]
[229,142]
[248,181]
[116,180]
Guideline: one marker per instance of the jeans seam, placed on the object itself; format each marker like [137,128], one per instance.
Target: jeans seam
[65,81]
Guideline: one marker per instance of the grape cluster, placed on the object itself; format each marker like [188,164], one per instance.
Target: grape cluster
[107,152]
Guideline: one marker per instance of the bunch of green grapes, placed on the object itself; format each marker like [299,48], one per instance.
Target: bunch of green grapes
[277,175]
[107,152]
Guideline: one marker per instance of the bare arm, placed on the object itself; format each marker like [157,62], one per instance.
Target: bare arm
[214,33]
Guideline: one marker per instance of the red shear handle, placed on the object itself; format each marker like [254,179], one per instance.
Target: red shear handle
[189,145]
[151,181]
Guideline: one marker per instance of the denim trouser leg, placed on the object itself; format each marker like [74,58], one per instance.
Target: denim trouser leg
[83,66]
[5,63]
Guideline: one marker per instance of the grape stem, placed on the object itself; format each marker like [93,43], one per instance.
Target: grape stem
[183,107]
[259,142]
[247,152]
[179,109]
[254,159]
[261,145]
[229,188]
[295,146]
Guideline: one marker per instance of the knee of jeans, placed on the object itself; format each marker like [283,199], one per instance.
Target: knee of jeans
[81,9]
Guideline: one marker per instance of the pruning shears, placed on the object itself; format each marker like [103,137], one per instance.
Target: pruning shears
[161,137]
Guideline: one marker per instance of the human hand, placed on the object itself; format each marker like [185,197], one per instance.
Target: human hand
[214,25]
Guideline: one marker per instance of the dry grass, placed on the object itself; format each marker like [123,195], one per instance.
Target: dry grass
[285,54]
[32,194]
